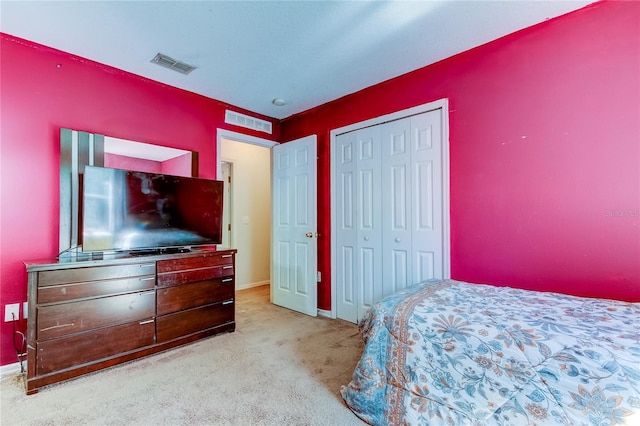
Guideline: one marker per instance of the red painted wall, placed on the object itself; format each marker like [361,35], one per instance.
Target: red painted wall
[545,163]
[42,90]
[557,210]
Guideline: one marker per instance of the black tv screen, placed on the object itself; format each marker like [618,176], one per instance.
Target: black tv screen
[125,210]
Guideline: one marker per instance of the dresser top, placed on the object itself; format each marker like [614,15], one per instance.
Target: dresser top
[80,260]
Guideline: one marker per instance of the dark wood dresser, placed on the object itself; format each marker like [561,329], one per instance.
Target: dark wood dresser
[87,315]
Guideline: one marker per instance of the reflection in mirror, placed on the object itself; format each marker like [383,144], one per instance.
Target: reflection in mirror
[79,149]
[144,157]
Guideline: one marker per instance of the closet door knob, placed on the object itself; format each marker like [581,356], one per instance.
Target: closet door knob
[366,238]
[397,240]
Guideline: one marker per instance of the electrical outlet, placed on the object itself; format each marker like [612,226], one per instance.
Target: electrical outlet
[11,312]
[25,310]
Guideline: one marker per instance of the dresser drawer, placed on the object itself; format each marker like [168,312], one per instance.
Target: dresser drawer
[183,323]
[173,299]
[68,318]
[68,292]
[91,346]
[194,275]
[64,276]
[181,264]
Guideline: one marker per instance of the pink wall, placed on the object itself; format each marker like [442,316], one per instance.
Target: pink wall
[130,163]
[43,90]
[178,166]
[545,163]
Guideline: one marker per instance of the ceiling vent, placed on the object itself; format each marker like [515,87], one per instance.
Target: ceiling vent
[172,64]
[242,120]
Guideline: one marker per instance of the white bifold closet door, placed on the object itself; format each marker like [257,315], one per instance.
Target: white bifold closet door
[359,233]
[389,202]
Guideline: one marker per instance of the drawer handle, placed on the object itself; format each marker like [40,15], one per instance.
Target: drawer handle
[226,255]
[147,279]
[228,267]
[148,265]
[226,280]
[227,302]
[148,293]
[145,322]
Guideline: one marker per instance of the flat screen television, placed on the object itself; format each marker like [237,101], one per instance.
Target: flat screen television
[124,210]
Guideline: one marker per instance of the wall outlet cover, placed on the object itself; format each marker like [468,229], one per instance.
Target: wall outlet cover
[11,312]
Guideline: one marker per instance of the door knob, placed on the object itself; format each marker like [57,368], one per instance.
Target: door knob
[309,234]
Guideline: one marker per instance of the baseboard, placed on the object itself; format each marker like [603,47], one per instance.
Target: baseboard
[251,285]
[10,369]
[323,313]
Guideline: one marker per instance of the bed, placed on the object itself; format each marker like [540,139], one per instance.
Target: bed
[449,352]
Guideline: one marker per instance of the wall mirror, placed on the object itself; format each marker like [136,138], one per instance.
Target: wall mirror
[79,149]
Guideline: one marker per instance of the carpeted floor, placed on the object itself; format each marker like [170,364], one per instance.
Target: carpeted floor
[278,368]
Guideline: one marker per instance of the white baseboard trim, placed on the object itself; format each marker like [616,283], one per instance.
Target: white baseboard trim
[251,285]
[10,369]
[324,313]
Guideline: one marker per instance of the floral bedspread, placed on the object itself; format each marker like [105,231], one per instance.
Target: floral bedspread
[453,353]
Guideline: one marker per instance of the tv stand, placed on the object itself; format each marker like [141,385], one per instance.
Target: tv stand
[88,315]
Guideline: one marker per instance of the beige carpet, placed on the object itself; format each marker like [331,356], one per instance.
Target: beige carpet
[278,368]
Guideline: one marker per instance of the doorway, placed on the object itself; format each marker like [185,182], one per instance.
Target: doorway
[292,166]
[245,160]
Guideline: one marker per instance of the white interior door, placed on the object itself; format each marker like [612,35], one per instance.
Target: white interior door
[346,234]
[358,233]
[412,187]
[396,210]
[390,183]
[427,187]
[294,240]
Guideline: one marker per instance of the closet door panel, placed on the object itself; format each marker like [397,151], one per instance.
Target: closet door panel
[346,227]
[426,187]
[398,268]
[369,218]
[396,208]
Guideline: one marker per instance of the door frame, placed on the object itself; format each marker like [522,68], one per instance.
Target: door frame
[241,138]
[237,137]
[442,104]
[228,207]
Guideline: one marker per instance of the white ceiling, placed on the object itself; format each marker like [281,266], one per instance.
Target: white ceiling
[250,52]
